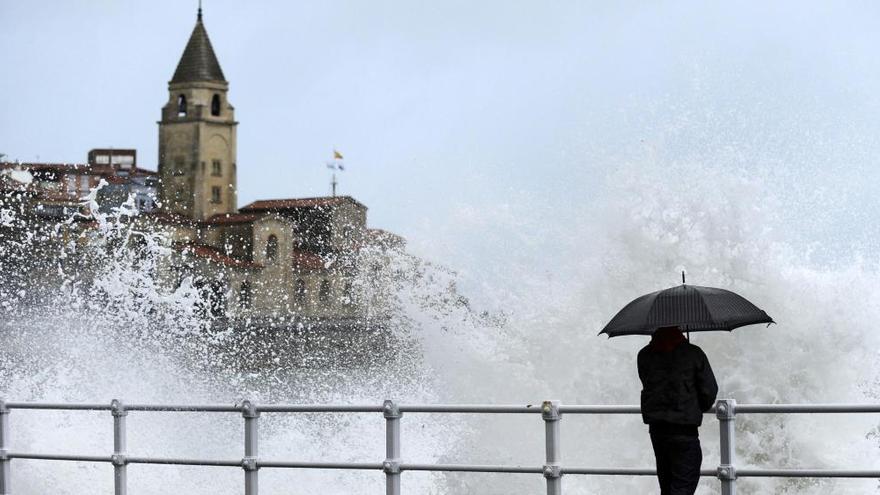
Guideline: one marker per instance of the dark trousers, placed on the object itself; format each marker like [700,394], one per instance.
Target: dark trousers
[678,463]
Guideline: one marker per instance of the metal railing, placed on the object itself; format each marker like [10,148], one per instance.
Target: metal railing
[551,412]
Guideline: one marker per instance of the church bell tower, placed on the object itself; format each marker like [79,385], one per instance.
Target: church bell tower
[197,145]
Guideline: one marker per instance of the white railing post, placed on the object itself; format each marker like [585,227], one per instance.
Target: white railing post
[251,448]
[5,480]
[391,466]
[552,469]
[120,477]
[725,410]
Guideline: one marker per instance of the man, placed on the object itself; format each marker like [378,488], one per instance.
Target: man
[678,386]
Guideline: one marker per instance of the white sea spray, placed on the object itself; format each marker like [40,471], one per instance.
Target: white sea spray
[526,333]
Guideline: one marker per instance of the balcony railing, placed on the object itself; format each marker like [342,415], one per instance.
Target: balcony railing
[551,413]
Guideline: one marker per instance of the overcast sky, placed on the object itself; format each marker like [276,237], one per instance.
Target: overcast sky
[449,106]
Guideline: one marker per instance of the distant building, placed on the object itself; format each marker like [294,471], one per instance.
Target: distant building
[57,190]
[284,258]
[122,161]
[297,260]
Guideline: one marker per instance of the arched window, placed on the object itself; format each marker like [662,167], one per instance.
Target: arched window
[271,247]
[215,105]
[300,291]
[324,292]
[181,106]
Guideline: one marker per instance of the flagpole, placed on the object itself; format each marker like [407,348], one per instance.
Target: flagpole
[334,165]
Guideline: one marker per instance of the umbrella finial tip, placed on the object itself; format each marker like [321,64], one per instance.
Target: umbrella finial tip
[682,277]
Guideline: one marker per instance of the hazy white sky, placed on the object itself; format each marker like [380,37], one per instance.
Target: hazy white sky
[447,107]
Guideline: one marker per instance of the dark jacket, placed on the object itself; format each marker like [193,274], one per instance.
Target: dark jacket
[678,385]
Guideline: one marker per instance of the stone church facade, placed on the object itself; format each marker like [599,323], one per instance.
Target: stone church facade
[298,259]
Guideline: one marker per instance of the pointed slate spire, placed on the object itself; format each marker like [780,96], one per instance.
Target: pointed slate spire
[198,62]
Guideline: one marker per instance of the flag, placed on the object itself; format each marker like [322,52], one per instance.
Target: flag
[337,155]
[331,165]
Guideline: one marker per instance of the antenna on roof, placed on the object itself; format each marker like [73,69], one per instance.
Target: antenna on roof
[200,10]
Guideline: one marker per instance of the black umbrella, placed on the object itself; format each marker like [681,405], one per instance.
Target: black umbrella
[690,307]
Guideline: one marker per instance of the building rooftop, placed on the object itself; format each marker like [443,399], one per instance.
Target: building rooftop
[294,203]
[198,62]
[43,166]
[79,168]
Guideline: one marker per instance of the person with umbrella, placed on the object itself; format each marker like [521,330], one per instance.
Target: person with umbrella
[678,384]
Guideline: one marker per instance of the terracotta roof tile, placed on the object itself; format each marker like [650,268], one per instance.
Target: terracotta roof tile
[45,166]
[80,168]
[294,203]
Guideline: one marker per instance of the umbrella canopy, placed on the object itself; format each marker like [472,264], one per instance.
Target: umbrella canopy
[691,307]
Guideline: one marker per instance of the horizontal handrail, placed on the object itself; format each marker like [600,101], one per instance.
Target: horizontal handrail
[183,407]
[320,465]
[183,461]
[472,408]
[441,408]
[806,473]
[471,468]
[59,406]
[564,409]
[550,411]
[807,408]
[331,408]
[59,457]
